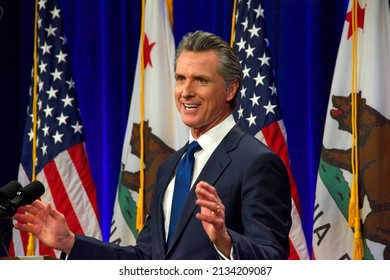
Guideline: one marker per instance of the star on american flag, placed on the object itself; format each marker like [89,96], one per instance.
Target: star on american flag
[59,124]
[258,101]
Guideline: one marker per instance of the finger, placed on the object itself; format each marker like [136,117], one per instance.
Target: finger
[216,207]
[23,218]
[216,221]
[19,217]
[32,208]
[217,210]
[55,214]
[207,194]
[38,204]
[23,226]
[202,185]
[211,210]
[27,209]
[27,213]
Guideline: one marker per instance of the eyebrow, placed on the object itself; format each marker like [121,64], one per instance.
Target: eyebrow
[196,76]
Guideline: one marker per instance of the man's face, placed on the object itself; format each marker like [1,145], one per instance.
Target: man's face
[200,91]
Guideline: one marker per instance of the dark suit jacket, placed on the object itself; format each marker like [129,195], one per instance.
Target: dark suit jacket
[252,183]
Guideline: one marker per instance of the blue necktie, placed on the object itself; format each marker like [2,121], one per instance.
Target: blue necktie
[182,186]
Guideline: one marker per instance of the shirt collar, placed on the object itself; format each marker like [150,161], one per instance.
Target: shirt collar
[211,139]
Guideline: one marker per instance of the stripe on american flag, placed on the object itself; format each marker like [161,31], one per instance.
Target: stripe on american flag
[79,158]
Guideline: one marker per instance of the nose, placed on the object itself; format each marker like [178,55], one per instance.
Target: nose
[187,89]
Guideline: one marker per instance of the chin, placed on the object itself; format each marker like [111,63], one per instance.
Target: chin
[189,123]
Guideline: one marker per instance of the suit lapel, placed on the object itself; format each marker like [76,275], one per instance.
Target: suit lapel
[210,173]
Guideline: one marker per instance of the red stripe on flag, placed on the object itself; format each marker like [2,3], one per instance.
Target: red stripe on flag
[60,196]
[293,252]
[80,161]
[276,141]
[11,248]
[24,240]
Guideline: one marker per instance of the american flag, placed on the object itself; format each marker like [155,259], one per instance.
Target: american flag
[258,109]
[61,162]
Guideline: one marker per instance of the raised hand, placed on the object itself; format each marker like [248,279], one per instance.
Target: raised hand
[212,215]
[47,224]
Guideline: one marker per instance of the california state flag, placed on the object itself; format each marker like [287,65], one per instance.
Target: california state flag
[356,141]
[154,128]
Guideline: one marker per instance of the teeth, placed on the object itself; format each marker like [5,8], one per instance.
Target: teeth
[190,106]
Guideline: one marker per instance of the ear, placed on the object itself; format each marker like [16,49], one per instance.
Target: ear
[231,90]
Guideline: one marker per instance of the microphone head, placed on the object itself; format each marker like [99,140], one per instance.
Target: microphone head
[26,195]
[31,192]
[9,191]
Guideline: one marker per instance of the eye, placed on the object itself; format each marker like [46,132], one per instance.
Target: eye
[201,80]
[179,78]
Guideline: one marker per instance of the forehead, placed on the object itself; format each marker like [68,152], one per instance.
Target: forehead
[197,61]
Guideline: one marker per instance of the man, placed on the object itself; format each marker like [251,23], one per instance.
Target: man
[239,206]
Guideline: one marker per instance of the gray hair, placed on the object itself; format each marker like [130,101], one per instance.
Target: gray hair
[229,66]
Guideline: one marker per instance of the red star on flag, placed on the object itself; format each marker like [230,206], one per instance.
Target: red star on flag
[147,51]
[360,20]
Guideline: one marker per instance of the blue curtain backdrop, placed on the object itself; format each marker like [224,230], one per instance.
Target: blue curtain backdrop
[103,40]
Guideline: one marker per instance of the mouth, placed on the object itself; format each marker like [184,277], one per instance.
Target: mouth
[190,107]
[336,112]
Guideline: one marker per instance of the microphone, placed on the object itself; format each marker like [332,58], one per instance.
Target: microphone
[9,191]
[26,195]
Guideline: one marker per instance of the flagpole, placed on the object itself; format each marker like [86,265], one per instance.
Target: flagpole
[31,244]
[169,5]
[233,23]
[140,204]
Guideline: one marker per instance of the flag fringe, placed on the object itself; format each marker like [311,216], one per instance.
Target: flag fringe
[352,214]
[358,252]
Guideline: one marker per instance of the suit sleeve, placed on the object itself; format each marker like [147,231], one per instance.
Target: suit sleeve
[88,248]
[265,210]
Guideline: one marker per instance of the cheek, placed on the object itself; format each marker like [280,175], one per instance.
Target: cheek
[176,93]
[221,98]
[177,99]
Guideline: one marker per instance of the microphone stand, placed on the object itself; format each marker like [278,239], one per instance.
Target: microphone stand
[6,226]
